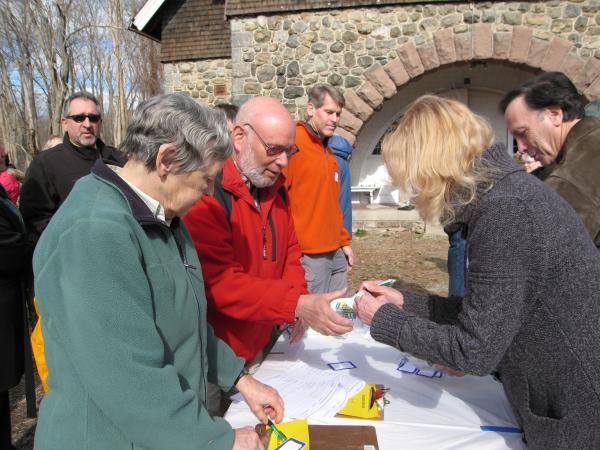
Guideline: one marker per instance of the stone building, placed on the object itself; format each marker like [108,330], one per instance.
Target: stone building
[381,54]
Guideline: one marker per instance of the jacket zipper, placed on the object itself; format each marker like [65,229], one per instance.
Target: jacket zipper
[188,267]
[264,237]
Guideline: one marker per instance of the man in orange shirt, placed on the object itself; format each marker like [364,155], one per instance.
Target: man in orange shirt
[313,183]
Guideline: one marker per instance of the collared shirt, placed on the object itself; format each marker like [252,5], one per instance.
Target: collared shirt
[153,205]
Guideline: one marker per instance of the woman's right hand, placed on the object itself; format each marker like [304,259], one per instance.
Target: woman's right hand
[246,439]
[390,295]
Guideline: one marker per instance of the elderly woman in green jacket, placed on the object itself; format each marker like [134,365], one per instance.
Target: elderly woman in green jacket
[120,288]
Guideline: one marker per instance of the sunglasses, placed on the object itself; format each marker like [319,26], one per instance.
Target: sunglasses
[274,150]
[79,118]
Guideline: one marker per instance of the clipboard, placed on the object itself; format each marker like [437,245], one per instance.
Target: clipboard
[342,437]
[333,437]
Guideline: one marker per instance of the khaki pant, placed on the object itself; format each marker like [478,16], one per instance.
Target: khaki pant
[325,272]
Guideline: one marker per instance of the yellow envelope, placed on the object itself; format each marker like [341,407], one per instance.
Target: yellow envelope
[297,429]
[360,404]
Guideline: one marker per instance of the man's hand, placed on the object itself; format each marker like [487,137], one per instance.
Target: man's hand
[246,439]
[531,166]
[297,331]
[263,400]
[315,310]
[349,256]
[374,297]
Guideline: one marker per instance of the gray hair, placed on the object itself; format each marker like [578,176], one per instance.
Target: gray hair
[317,94]
[76,95]
[198,133]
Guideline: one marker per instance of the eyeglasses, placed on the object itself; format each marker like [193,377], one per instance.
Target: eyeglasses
[274,150]
[81,117]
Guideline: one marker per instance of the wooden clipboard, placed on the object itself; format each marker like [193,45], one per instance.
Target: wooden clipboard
[333,437]
[342,437]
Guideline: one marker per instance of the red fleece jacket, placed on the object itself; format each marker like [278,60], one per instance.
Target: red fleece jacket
[251,265]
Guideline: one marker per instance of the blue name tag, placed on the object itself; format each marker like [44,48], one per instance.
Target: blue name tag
[291,444]
[343,365]
[406,367]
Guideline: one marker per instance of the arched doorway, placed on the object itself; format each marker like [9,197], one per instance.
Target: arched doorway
[479,84]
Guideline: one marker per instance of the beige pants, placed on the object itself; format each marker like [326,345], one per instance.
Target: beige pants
[325,272]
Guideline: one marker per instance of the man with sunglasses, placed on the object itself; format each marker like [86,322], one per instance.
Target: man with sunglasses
[53,173]
[247,244]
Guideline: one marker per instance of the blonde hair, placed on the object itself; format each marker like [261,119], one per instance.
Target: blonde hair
[432,152]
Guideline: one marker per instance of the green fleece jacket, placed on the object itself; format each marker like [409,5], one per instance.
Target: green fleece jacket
[128,347]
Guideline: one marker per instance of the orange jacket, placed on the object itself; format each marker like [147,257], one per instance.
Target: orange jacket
[313,184]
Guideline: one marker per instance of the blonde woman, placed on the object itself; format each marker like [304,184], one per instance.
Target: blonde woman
[532,301]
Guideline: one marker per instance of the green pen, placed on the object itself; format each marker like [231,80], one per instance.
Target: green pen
[277,431]
[388,282]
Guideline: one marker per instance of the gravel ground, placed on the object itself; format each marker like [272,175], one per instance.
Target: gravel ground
[417,262]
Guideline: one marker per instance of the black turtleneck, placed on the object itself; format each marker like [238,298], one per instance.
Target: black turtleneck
[311,129]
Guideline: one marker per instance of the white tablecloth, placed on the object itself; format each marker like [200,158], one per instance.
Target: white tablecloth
[426,413]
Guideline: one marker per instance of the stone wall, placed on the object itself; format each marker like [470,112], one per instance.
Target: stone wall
[199,78]
[369,52]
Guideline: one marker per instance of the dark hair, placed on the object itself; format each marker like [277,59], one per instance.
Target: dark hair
[548,89]
[229,110]
[317,94]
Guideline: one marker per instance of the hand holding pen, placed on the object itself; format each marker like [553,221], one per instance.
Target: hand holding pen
[263,400]
[374,295]
[280,436]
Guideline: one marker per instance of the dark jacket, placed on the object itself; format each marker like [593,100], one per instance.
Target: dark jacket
[15,254]
[51,176]
[250,262]
[530,310]
[128,348]
[576,173]
[342,149]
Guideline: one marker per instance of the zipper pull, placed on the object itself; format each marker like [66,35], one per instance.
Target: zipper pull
[264,235]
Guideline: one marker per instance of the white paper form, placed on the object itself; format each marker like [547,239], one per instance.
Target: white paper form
[310,392]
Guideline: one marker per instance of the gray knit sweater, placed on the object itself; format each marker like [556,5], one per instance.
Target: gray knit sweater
[531,310]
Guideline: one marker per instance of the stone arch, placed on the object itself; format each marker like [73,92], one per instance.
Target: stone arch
[480,42]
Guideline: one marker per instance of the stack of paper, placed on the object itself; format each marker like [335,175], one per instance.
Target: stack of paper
[310,392]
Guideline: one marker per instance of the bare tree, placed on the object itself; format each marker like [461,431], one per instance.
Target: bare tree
[56,54]
[19,46]
[51,48]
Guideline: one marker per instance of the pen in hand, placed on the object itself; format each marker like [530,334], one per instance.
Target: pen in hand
[388,282]
[277,431]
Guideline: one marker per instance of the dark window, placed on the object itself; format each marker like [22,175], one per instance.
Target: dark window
[377,149]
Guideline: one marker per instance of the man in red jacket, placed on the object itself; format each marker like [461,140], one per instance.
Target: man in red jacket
[246,241]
